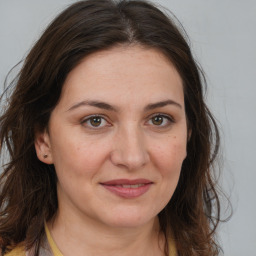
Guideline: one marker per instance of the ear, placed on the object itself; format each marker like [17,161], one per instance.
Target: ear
[43,147]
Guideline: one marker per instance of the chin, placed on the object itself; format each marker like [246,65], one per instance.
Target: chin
[130,219]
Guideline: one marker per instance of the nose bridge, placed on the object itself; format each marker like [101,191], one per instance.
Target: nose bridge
[130,148]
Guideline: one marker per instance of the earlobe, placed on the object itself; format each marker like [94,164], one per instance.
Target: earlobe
[43,147]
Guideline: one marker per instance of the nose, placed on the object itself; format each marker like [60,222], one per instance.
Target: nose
[129,149]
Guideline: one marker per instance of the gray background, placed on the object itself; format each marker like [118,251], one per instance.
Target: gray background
[223,39]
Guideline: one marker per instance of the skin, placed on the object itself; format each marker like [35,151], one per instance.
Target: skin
[130,142]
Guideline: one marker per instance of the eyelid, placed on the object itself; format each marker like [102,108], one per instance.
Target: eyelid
[169,117]
[87,118]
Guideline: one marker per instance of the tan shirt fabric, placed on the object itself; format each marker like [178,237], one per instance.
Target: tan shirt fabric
[18,251]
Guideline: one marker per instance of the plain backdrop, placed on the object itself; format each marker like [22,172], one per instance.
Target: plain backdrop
[223,39]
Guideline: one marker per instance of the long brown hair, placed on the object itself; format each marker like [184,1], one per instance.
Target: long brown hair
[28,186]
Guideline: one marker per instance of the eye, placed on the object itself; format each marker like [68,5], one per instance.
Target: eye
[157,120]
[95,122]
[161,120]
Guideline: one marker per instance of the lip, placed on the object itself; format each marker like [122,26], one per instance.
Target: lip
[126,188]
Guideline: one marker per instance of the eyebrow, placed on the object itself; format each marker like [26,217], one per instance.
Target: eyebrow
[106,106]
[161,104]
[93,103]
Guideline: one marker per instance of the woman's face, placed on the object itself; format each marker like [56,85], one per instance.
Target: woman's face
[117,137]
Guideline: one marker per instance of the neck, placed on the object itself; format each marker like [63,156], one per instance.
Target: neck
[76,237]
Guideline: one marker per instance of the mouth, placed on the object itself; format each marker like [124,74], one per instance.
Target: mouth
[128,188]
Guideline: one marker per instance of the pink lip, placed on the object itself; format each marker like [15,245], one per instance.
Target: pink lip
[115,186]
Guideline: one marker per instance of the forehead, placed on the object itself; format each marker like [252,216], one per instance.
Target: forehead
[123,74]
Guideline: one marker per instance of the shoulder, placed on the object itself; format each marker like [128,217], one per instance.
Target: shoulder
[18,251]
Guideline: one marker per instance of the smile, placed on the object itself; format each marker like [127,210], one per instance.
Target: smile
[128,188]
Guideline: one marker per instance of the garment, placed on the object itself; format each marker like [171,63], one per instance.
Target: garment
[18,251]
[51,249]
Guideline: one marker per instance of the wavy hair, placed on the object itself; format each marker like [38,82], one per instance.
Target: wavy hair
[28,186]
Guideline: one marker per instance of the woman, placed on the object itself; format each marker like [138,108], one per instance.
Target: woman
[111,144]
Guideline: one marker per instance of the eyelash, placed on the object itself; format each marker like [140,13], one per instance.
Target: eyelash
[165,118]
[86,122]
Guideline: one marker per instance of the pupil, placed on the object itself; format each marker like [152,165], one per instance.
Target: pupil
[157,120]
[95,121]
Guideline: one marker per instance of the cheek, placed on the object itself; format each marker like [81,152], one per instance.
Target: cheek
[169,155]
[82,159]
[168,159]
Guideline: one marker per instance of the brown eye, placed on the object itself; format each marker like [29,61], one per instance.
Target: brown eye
[157,120]
[161,121]
[95,121]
